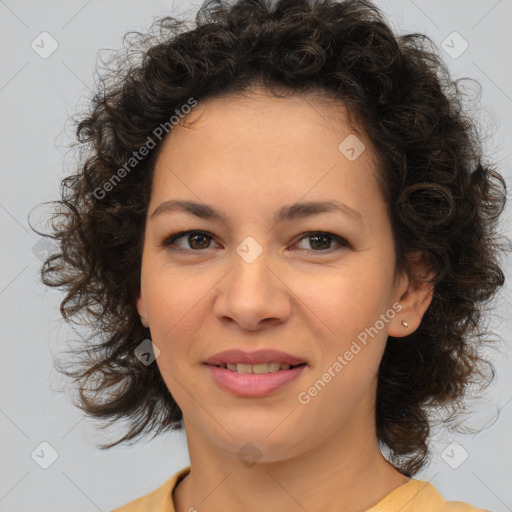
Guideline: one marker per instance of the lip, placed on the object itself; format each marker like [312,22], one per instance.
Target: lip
[254,357]
[253,385]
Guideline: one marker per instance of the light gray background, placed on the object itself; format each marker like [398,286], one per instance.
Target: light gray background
[37,96]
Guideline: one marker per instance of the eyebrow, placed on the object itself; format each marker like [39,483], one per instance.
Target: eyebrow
[284,214]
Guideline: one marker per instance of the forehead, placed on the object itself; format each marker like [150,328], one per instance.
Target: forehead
[259,116]
[259,143]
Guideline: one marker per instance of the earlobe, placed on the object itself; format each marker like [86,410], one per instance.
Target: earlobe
[142,311]
[415,300]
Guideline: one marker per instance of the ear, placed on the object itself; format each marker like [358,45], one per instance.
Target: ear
[414,297]
[141,308]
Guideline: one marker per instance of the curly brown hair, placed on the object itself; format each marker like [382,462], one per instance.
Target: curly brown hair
[442,199]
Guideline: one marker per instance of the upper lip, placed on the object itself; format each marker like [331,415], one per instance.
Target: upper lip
[255,357]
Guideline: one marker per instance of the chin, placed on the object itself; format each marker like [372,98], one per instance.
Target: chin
[261,443]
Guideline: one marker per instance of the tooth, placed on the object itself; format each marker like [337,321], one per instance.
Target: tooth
[260,368]
[244,368]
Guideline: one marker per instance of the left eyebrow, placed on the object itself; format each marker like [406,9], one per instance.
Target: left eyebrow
[284,214]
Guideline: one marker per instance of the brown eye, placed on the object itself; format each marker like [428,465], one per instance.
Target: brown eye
[194,240]
[197,241]
[322,241]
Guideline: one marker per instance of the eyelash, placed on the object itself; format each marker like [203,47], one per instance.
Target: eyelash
[172,238]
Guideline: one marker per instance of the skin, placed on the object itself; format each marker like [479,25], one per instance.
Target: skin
[249,156]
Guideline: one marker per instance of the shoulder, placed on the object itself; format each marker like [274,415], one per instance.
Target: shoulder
[418,496]
[158,500]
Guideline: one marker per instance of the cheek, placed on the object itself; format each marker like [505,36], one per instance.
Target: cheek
[165,305]
[351,347]
[178,304]
[345,303]
[169,296]
[174,306]
[349,339]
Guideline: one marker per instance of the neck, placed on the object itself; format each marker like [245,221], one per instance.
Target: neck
[337,475]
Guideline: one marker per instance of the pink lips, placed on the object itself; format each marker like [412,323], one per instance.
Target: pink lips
[254,385]
[254,357]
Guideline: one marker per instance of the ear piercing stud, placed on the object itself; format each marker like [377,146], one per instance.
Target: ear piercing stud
[404,323]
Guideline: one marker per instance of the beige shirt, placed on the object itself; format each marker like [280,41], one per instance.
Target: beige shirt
[413,496]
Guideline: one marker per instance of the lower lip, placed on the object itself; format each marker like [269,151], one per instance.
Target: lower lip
[251,384]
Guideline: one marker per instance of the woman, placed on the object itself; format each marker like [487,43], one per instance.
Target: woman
[284,233]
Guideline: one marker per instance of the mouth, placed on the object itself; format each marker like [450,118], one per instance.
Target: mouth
[258,369]
[254,374]
[254,380]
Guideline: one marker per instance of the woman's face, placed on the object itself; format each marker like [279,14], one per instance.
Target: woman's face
[256,279]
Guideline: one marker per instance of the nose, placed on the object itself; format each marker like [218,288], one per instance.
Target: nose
[253,294]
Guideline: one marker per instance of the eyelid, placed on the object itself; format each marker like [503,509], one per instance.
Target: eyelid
[175,236]
[339,239]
